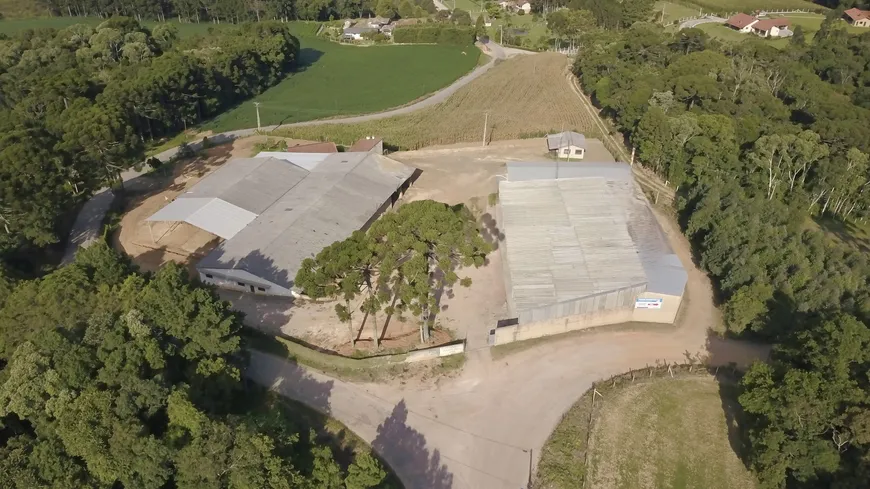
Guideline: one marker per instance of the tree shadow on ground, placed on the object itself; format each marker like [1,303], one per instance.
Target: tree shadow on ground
[405,449]
[735,417]
[490,231]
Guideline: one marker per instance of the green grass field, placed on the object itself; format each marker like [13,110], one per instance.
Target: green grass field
[750,6]
[673,11]
[346,80]
[660,433]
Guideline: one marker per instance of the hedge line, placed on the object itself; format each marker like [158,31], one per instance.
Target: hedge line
[434,34]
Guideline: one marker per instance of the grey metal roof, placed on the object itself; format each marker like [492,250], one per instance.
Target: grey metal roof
[566,138]
[338,196]
[250,183]
[546,170]
[568,238]
[304,160]
[359,28]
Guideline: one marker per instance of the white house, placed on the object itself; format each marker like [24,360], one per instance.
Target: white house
[772,28]
[524,5]
[517,5]
[355,32]
[568,145]
[741,22]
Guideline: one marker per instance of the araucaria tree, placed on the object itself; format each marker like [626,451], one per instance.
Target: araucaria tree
[424,244]
[406,259]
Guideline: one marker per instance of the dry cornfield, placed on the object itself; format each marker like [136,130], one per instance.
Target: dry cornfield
[526,96]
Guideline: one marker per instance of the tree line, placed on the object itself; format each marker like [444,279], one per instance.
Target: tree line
[762,144]
[78,105]
[112,378]
[221,11]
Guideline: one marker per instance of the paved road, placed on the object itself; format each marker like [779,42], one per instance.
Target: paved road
[88,224]
[709,19]
[486,428]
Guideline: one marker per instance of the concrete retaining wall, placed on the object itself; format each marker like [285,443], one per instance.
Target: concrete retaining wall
[436,352]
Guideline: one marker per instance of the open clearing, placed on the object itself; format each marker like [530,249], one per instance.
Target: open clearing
[524,96]
[665,432]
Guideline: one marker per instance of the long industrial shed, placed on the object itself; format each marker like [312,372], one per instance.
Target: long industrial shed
[273,213]
[582,248]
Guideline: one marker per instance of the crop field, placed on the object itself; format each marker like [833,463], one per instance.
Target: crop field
[348,80]
[665,432]
[673,11]
[526,96]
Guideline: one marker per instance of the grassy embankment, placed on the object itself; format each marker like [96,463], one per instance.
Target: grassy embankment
[663,432]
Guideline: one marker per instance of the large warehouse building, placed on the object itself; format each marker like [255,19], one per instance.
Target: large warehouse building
[582,248]
[277,209]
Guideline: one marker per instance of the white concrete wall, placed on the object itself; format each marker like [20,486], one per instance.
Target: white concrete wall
[219,278]
[573,153]
[666,315]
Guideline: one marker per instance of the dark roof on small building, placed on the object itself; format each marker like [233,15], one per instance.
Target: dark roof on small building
[359,28]
[563,139]
[740,20]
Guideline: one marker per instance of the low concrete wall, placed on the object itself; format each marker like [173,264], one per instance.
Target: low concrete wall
[436,352]
[520,332]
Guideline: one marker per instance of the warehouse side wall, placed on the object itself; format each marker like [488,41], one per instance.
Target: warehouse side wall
[625,312]
[241,281]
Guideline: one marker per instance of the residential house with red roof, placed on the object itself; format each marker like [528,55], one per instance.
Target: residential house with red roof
[857,17]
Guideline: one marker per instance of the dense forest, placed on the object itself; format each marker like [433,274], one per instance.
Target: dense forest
[78,105]
[762,144]
[111,378]
[218,11]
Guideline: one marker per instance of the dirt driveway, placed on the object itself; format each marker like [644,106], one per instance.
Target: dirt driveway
[485,429]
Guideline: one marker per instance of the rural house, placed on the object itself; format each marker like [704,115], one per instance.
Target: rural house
[568,144]
[772,27]
[857,17]
[356,31]
[741,22]
[516,6]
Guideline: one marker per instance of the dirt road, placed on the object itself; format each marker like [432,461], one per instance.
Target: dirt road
[485,429]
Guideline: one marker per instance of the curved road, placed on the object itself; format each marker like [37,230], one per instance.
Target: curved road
[88,223]
[486,428]
[708,19]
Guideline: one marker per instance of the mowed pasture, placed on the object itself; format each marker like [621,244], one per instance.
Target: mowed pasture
[525,96]
[750,6]
[668,432]
[336,80]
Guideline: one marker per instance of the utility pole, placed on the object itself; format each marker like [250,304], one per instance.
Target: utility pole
[501,34]
[485,122]
[257,105]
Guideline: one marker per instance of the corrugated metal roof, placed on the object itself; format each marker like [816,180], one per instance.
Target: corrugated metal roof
[568,238]
[308,161]
[519,171]
[250,183]
[336,198]
[566,138]
[213,215]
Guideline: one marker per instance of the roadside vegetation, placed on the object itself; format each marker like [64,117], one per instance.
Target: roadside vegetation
[651,433]
[759,141]
[534,86]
